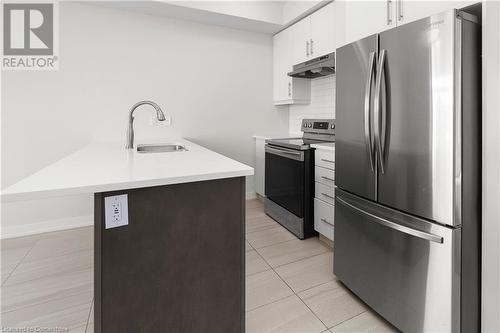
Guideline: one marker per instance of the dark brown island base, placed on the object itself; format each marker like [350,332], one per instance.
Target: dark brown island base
[179,264]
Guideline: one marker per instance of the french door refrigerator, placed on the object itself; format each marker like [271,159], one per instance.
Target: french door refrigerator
[407,212]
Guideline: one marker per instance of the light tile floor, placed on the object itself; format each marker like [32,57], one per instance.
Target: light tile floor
[47,281]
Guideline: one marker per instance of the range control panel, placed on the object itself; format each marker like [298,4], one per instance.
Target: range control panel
[323,126]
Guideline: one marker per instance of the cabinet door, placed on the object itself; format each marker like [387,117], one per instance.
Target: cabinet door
[408,11]
[364,18]
[301,39]
[322,31]
[278,68]
[282,64]
[340,23]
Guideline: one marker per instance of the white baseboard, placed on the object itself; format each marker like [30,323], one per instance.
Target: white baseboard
[251,195]
[45,226]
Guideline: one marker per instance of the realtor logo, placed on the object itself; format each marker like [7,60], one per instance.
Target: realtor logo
[29,36]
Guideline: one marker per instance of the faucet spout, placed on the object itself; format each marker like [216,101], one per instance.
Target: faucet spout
[130,130]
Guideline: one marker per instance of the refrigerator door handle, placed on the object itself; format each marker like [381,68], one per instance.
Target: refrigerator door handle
[367,121]
[407,230]
[379,147]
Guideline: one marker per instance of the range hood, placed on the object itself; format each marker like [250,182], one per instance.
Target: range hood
[320,66]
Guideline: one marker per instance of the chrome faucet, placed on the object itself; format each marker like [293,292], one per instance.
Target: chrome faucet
[130,131]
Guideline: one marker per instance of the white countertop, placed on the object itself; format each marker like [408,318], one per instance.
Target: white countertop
[101,167]
[325,146]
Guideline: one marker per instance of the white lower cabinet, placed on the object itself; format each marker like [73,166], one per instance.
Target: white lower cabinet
[324,176]
[260,165]
[323,218]
[324,159]
[324,191]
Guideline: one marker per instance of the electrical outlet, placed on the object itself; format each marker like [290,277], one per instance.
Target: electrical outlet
[116,211]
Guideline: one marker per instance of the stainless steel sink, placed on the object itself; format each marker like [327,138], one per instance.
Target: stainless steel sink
[160,148]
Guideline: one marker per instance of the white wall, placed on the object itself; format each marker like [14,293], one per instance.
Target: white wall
[293,8]
[322,104]
[215,82]
[266,11]
[491,174]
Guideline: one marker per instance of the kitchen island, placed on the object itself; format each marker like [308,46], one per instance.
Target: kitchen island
[169,254]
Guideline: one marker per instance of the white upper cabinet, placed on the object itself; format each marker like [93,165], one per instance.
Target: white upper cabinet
[302,40]
[323,31]
[287,90]
[365,18]
[409,11]
[281,60]
[314,35]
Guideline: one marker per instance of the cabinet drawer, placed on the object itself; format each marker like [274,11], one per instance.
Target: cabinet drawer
[323,218]
[324,176]
[324,192]
[325,159]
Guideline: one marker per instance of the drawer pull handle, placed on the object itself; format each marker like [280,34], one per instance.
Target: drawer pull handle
[326,221]
[327,195]
[329,161]
[328,178]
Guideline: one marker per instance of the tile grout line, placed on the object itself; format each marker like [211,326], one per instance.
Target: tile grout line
[88,317]
[57,256]
[78,270]
[291,262]
[267,228]
[359,314]
[314,314]
[269,245]
[43,302]
[19,263]
[293,291]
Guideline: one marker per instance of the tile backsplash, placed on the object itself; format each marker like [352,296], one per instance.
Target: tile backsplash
[322,104]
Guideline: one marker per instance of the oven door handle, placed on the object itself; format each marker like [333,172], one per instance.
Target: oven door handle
[288,153]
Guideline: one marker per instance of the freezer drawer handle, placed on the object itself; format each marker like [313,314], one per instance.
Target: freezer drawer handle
[395,226]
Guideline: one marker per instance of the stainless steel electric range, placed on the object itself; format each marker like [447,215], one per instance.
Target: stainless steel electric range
[289,179]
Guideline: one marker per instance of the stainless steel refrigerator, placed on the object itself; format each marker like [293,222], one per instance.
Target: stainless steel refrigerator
[407,208]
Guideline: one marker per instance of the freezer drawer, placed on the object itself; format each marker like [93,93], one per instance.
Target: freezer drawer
[405,268]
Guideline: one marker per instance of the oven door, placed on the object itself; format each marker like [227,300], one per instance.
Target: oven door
[285,172]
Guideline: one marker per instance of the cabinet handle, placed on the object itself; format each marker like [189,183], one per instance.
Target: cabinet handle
[289,88]
[327,195]
[312,49]
[326,221]
[389,12]
[400,10]
[307,48]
